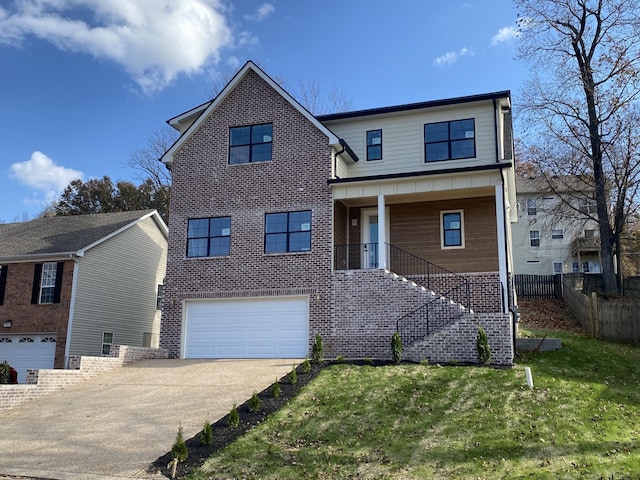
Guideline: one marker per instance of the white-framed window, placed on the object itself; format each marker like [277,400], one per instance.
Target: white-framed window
[575,267]
[532,207]
[557,267]
[452,229]
[48,282]
[534,238]
[557,234]
[587,205]
[107,341]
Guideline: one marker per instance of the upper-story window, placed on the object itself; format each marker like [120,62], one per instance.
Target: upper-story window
[449,140]
[534,238]
[587,205]
[374,145]
[48,282]
[208,237]
[532,207]
[250,144]
[287,232]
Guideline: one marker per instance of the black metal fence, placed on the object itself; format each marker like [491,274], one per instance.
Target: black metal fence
[538,286]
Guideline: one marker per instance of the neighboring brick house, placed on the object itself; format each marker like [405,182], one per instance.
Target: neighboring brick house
[285,225]
[75,285]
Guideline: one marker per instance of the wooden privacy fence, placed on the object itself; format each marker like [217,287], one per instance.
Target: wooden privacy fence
[538,286]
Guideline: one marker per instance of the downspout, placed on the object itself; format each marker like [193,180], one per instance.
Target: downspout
[74,285]
[514,309]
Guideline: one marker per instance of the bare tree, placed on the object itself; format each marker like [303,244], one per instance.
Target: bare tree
[146,159]
[585,59]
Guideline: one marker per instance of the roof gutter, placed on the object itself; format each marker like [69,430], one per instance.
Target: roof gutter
[36,257]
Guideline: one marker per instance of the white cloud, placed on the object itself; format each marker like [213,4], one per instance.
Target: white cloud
[154,41]
[263,12]
[41,173]
[450,58]
[505,34]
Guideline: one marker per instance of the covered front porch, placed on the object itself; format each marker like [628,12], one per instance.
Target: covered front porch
[452,242]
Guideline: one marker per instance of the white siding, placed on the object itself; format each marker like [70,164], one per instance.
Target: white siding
[403,139]
[116,289]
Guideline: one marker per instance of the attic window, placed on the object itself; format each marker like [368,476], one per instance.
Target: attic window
[250,144]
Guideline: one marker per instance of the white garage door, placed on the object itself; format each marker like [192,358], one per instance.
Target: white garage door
[27,351]
[247,328]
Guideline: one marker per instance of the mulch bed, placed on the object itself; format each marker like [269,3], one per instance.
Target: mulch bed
[223,434]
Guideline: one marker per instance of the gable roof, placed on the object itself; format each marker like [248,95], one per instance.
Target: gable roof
[65,236]
[201,112]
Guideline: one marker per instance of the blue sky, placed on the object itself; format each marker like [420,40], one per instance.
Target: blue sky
[87,82]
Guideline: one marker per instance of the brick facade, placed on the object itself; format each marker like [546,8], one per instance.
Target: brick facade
[51,318]
[205,185]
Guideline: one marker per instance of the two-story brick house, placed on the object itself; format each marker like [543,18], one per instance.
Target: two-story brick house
[75,285]
[285,225]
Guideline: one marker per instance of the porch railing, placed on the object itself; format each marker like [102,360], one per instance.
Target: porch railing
[431,317]
[422,272]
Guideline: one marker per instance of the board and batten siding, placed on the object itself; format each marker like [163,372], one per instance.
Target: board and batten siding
[403,139]
[116,289]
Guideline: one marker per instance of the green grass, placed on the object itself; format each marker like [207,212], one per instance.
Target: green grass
[581,420]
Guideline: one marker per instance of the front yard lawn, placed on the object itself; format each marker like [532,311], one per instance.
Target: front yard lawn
[409,421]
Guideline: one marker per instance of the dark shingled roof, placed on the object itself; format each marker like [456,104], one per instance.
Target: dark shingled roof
[55,235]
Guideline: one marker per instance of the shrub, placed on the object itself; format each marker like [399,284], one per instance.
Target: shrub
[306,366]
[179,450]
[234,417]
[367,361]
[396,347]
[5,372]
[340,358]
[206,435]
[482,343]
[275,389]
[317,352]
[254,403]
[293,376]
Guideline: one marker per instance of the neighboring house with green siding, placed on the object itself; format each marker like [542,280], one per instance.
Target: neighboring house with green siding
[75,285]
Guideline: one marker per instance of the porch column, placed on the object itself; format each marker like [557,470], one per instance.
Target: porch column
[502,245]
[382,234]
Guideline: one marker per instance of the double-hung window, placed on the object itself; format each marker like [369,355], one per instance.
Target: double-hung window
[287,232]
[557,234]
[452,231]
[250,144]
[449,140]
[534,238]
[209,237]
[374,145]
[107,341]
[532,207]
[48,282]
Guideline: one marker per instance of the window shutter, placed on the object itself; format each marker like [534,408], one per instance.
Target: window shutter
[3,281]
[58,289]
[37,275]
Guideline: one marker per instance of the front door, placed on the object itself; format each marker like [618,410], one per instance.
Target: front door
[370,238]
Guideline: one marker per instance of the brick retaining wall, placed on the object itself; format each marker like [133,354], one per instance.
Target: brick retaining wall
[42,382]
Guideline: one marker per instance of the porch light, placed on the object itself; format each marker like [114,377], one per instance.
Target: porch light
[7,324]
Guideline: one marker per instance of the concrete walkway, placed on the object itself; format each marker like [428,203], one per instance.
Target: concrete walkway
[116,424]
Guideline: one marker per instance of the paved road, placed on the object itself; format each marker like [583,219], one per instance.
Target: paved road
[116,424]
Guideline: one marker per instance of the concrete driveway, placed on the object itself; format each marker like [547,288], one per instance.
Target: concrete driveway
[116,424]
